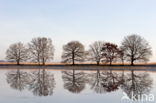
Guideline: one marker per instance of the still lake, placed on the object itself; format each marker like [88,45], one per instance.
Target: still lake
[77,86]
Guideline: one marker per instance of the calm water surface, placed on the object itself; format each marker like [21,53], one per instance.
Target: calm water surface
[75,86]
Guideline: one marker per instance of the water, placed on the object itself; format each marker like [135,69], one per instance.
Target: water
[76,86]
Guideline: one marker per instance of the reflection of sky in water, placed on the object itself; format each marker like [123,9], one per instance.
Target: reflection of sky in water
[61,95]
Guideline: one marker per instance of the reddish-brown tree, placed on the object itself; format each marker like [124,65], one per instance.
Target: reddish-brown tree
[110,52]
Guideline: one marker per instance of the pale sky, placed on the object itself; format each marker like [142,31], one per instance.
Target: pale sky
[83,20]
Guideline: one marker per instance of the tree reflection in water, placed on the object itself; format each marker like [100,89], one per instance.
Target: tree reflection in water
[111,81]
[42,83]
[18,79]
[137,84]
[96,82]
[74,81]
[105,81]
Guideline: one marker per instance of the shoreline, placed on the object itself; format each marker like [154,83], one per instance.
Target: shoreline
[81,67]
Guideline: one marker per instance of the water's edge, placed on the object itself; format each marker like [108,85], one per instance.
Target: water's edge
[83,67]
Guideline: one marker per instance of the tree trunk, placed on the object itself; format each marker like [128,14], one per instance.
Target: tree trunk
[132,59]
[18,62]
[43,61]
[73,62]
[132,62]
[73,58]
[110,62]
[98,62]
[122,62]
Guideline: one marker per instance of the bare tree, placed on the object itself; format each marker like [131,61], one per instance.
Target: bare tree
[41,50]
[73,51]
[110,52]
[136,48]
[16,52]
[95,52]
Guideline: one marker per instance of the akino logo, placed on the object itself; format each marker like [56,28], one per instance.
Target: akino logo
[125,98]
[144,98]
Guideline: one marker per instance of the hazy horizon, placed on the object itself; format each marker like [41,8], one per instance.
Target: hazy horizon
[83,20]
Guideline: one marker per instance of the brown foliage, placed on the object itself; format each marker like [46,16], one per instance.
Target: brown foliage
[110,52]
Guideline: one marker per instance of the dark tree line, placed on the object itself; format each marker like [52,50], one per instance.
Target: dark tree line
[133,48]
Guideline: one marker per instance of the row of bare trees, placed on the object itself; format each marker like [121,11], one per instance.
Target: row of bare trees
[39,50]
[133,48]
